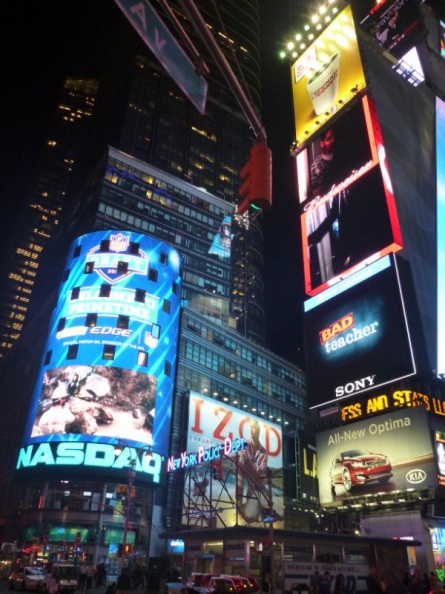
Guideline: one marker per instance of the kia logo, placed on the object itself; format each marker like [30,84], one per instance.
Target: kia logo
[416,476]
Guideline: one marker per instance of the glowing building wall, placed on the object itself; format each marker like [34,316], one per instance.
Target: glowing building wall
[110,359]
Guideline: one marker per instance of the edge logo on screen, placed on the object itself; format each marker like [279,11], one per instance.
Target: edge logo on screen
[328,336]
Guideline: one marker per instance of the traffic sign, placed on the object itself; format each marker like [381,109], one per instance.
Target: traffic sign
[167,50]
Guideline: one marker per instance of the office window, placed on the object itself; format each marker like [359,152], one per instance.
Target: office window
[108,352]
[61,324]
[175,287]
[105,245]
[73,349]
[153,275]
[66,275]
[163,258]
[156,331]
[134,248]
[166,306]
[76,253]
[89,267]
[167,368]
[48,357]
[105,291]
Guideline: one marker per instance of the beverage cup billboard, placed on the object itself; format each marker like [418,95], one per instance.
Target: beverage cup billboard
[323,84]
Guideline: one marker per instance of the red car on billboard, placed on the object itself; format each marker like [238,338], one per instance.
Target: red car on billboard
[359,467]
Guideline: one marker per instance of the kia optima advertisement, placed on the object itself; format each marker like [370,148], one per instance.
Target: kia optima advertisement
[386,453]
[357,467]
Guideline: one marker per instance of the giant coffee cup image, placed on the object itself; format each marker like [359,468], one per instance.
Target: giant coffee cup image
[323,84]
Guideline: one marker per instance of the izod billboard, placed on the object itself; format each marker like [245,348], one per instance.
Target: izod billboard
[108,368]
[359,338]
[326,77]
[248,485]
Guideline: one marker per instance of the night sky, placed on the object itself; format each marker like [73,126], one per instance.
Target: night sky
[44,40]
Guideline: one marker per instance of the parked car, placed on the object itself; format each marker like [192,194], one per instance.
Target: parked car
[254,584]
[221,585]
[237,582]
[27,578]
[200,581]
[358,467]
[60,577]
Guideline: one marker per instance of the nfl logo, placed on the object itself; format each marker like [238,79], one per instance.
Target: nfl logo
[119,243]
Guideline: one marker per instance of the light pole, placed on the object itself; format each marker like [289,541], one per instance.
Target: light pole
[128,501]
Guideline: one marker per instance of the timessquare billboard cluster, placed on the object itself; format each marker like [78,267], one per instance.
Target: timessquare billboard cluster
[251,482]
[110,359]
[376,456]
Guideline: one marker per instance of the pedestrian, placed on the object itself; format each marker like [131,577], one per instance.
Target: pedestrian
[83,577]
[101,574]
[340,584]
[124,580]
[325,583]
[314,583]
[375,584]
[90,576]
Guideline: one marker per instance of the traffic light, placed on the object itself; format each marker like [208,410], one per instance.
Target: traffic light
[256,174]
[217,470]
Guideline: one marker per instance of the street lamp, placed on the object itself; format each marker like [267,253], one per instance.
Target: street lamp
[134,454]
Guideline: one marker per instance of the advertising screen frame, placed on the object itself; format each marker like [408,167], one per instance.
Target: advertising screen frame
[333,62]
[396,25]
[348,211]
[400,456]
[108,370]
[358,339]
[242,494]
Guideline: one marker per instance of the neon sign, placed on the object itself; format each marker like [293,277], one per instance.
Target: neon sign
[189,459]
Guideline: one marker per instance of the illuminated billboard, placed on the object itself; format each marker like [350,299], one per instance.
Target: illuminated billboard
[250,484]
[395,24]
[358,339]
[308,468]
[110,359]
[440,228]
[388,453]
[442,38]
[326,77]
[348,212]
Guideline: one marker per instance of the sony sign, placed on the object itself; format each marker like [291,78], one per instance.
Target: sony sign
[94,455]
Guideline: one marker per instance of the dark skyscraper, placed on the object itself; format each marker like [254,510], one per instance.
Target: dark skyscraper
[40,215]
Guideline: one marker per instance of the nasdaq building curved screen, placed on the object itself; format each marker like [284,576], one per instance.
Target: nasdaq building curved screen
[107,373]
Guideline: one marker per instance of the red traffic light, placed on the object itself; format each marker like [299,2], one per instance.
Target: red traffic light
[256,174]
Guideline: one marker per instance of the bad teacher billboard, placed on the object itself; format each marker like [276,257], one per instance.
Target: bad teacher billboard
[359,338]
[380,455]
[326,77]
